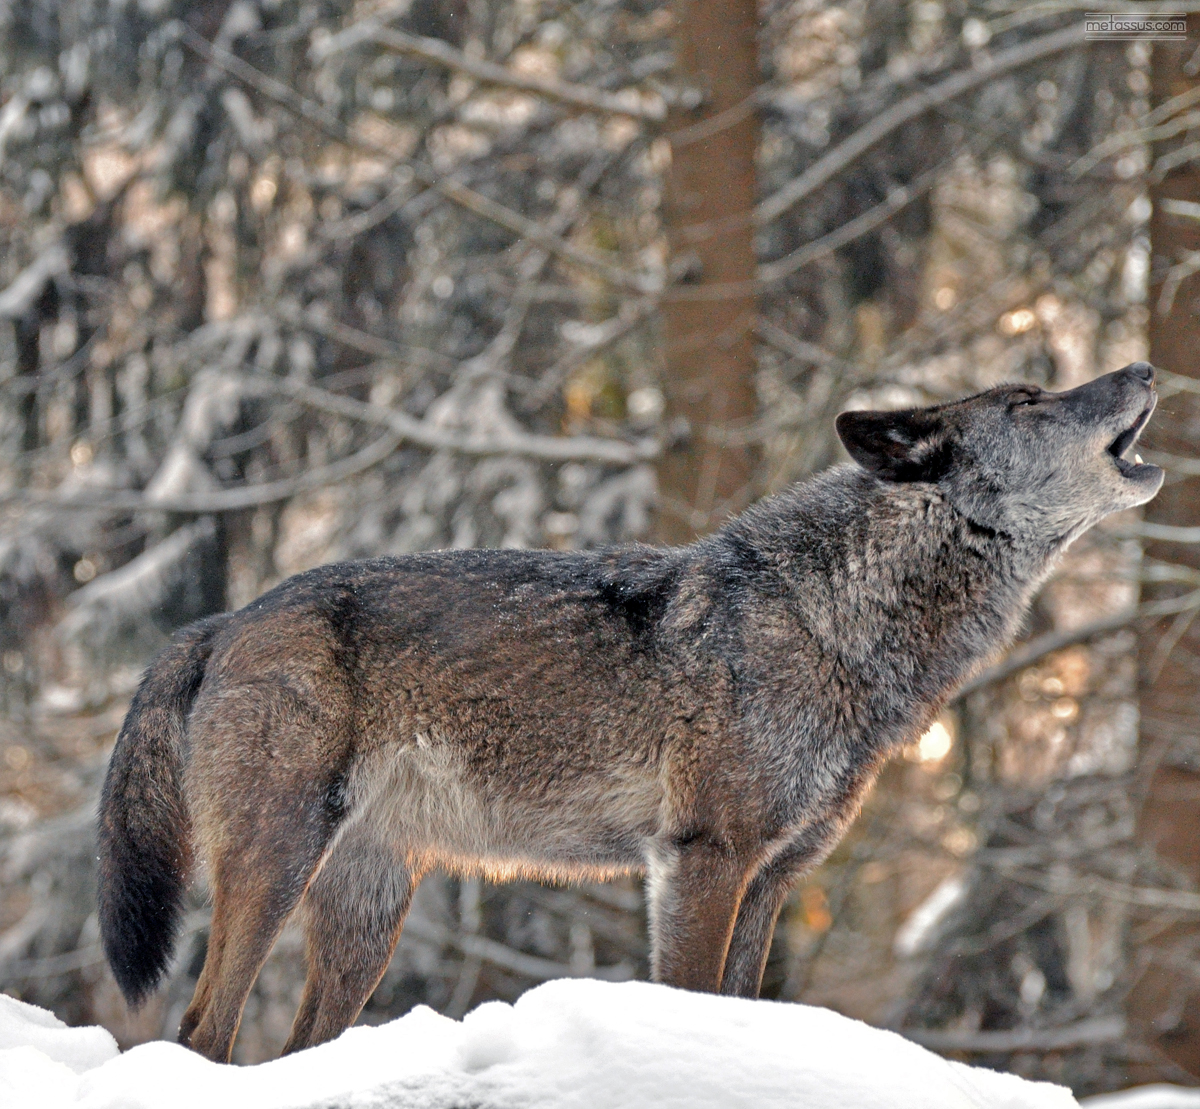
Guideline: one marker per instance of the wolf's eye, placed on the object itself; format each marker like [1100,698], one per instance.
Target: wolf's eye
[1019,400]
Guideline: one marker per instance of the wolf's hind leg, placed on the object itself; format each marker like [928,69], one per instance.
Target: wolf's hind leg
[353,913]
[257,883]
[261,787]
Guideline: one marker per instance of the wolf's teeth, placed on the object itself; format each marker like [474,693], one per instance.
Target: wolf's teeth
[1137,458]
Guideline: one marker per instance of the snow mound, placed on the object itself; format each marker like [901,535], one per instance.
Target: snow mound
[569,1044]
[27,1026]
[1160,1096]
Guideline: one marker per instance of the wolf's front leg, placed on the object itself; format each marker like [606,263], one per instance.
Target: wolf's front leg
[764,897]
[693,889]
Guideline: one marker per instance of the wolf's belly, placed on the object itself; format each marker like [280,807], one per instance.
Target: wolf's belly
[421,799]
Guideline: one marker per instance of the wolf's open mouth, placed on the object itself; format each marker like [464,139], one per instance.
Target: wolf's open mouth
[1127,438]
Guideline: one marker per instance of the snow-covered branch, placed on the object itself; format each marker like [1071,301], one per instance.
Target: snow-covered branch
[629,102]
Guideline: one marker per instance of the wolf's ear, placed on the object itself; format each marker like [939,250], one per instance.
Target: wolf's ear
[912,445]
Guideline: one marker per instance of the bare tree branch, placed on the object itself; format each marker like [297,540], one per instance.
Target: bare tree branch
[453,190]
[1174,463]
[1148,897]
[628,102]
[1177,383]
[356,339]
[1164,533]
[401,428]
[897,200]
[1095,1030]
[501,955]
[1138,136]
[771,273]
[845,153]
[547,448]
[1036,649]
[631,316]
[221,500]
[19,297]
[795,347]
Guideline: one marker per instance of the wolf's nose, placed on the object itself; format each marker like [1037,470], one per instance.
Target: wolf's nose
[1142,370]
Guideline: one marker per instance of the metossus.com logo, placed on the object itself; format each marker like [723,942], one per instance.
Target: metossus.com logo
[1124,27]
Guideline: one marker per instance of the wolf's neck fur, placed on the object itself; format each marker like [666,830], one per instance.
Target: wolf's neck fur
[901,595]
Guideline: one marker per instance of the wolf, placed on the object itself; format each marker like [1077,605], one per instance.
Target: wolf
[709,715]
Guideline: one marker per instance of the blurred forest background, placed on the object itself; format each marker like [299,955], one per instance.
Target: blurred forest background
[289,281]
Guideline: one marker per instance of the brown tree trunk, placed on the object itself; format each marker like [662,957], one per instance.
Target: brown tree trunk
[1165,1002]
[711,190]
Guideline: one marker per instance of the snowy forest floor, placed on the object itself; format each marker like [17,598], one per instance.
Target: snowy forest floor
[567,1043]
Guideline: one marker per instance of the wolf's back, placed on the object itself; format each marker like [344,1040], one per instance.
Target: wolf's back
[145,836]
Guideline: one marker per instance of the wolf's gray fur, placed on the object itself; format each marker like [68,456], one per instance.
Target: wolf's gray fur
[710,715]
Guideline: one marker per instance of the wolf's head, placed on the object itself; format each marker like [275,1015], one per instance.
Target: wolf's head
[1040,466]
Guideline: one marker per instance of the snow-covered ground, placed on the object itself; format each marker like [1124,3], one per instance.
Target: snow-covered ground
[1146,1097]
[569,1043]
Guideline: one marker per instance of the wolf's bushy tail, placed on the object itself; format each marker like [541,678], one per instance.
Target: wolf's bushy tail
[145,835]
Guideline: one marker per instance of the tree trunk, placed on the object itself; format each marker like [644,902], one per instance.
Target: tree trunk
[1165,1002]
[711,190]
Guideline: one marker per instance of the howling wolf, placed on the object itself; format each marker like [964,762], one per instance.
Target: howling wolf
[707,715]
